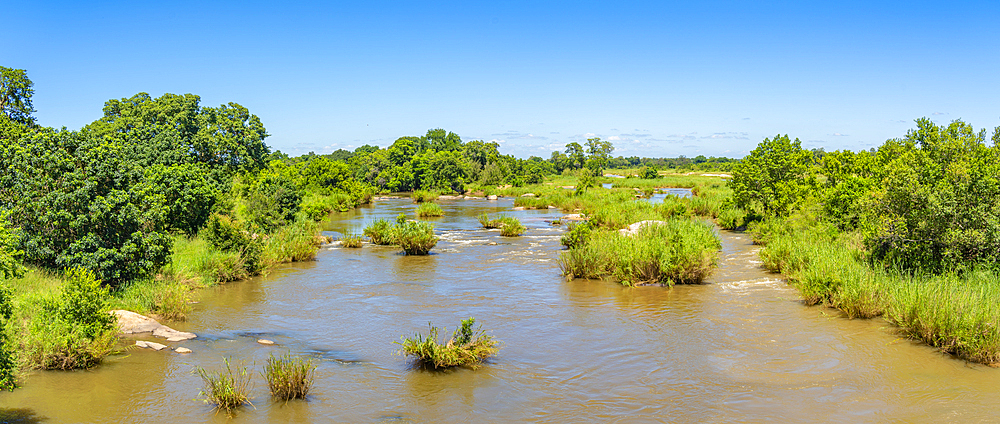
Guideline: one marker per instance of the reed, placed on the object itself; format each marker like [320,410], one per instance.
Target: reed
[352,241]
[380,232]
[289,377]
[511,227]
[416,238]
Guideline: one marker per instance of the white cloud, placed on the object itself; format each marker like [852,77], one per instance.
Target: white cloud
[614,138]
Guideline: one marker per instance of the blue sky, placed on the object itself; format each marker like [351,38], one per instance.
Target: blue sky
[656,78]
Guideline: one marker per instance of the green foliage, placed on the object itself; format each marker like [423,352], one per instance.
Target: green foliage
[15,96]
[69,328]
[579,232]
[380,232]
[416,238]
[288,377]
[429,210]
[671,252]
[351,241]
[648,172]
[774,178]
[731,218]
[511,227]
[228,388]
[186,193]
[8,356]
[10,256]
[270,200]
[468,347]
[938,206]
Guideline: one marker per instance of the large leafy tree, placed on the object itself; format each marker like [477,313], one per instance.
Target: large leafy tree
[774,178]
[599,154]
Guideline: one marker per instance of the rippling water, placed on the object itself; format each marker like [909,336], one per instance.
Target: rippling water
[739,348]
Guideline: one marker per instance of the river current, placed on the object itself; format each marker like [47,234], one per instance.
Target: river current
[740,348]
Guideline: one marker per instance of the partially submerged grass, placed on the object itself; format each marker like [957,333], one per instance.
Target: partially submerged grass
[227,388]
[956,312]
[288,377]
[380,232]
[428,209]
[421,196]
[351,241]
[416,238]
[508,225]
[468,347]
[677,251]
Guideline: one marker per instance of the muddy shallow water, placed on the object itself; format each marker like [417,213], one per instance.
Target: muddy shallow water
[739,348]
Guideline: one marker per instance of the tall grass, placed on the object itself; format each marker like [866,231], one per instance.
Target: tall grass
[288,377]
[956,312]
[679,251]
[467,347]
[428,209]
[416,238]
[511,227]
[380,232]
[421,196]
[227,388]
[352,241]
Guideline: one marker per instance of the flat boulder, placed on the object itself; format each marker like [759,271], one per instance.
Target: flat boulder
[634,229]
[492,197]
[573,217]
[150,345]
[518,208]
[528,195]
[182,350]
[132,323]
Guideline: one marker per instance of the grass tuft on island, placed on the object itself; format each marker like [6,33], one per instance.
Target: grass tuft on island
[352,241]
[429,209]
[467,347]
[289,377]
[508,225]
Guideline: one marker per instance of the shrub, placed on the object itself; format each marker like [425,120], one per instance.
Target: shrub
[579,232]
[421,196]
[731,218]
[227,389]
[487,223]
[292,243]
[70,328]
[224,234]
[416,238]
[380,232]
[467,347]
[351,241]
[221,267]
[429,209]
[8,358]
[288,377]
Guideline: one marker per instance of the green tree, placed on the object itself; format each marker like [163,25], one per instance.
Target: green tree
[599,154]
[576,155]
[775,178]
[15,96]
[186,194]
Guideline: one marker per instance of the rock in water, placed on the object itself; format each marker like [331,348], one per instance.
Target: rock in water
[265,342]
[492,197]
[132,323]
[182,350]
[150,345]
[634,228]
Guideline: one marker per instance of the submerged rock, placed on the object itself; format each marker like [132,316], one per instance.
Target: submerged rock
[150,345]
[132,323]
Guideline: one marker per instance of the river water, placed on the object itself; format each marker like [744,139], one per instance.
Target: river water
[740,348]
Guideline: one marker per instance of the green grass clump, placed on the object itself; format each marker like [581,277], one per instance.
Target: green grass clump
[488,223]
[416,238]
[511,227]
[351,240]
[421,196]
[677,251]
[731,218]
[288,377]
[380,232]
[467,347]
[428,209]
[228,388]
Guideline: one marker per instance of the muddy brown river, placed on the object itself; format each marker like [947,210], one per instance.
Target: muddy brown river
[741,348]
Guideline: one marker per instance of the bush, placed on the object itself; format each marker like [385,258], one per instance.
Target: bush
[351,240]
[421,196]
[221,267]
[416,238]
[292,243]
[429,209]
[227,389]
[70,328]
[467,347]
[8,358]
[731,218]
[648,172]
[380,233]
[579,233]
[289,378]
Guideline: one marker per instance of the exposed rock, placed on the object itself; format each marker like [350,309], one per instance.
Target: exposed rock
[449,197]
[182,350]
[265,342]
[472,197]
[492,197]
[150,345]
[132,323]
[573,217]
[528,195]
[519,208]
[552,207]
[634,228]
